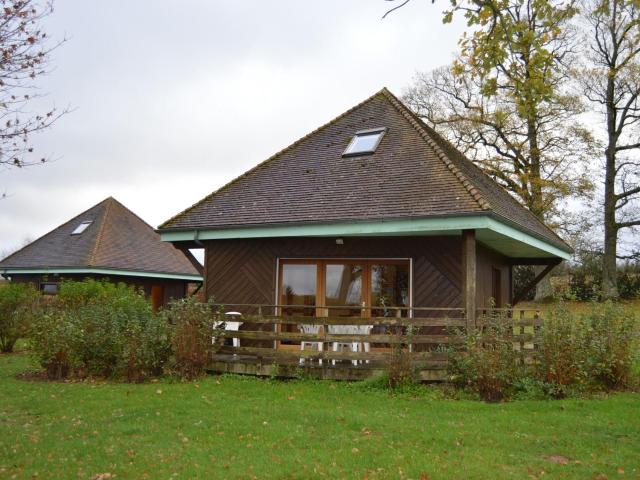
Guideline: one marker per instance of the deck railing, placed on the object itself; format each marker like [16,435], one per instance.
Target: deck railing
[272,342]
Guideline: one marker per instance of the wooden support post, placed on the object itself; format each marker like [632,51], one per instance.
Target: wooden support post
[469,276]
[521,294]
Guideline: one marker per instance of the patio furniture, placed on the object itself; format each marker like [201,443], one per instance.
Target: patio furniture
[231,325]
[353,346]
[310,330]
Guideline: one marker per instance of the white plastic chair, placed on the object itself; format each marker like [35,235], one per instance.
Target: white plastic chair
[310,330]
[350,330]
[230,325]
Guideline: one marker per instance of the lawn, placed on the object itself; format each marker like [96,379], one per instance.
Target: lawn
[240,427]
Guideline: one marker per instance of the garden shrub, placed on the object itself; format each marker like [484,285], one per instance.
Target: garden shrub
[19,304]
[400,373]
[575,353]
[487,363]
[100,328]
[55,339]
[560,359]
[193,336]
[611,341]
[595,350]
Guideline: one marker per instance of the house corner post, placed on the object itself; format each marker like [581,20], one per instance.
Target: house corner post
[469,276]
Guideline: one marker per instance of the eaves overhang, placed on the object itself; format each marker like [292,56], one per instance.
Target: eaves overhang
[491,230]
[8,271]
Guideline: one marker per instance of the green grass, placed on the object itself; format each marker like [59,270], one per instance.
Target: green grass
[240,427]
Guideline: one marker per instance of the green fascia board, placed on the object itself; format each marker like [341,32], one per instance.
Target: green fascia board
[99,271]
[414,226]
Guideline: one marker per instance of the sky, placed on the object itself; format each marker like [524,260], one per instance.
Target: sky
[171,100]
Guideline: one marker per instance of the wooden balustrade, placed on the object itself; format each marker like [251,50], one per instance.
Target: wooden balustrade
[423,335]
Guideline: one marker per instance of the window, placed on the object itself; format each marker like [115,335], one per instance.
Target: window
[49,288]
[82,227]
[364,142]
[342,288]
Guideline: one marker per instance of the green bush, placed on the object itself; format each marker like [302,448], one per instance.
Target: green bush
[611,342]
[487,363]
[19,304]
[100,328]
[193,336]
[595,350]
[575,353]
[561,356]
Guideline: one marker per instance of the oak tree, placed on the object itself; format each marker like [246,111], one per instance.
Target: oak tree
[611,82]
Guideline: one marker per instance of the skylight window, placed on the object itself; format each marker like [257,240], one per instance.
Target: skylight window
[364,142]
[82,227]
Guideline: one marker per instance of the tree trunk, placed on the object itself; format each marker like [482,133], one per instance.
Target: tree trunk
[609,269]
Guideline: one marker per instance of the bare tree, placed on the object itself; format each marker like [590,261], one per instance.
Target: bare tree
[611,81]
[24,57]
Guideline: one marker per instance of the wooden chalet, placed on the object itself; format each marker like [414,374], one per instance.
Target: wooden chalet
[108,241]
[372,223]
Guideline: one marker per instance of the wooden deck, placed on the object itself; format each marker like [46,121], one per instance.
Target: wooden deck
[419,337]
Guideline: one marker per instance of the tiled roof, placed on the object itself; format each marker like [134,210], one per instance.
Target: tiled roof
[413,173]
[116,239]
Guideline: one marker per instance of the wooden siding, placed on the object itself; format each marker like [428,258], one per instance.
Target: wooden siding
[487,260]
[244,270]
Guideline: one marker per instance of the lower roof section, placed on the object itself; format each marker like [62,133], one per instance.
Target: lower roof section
[98,271]
[495,234]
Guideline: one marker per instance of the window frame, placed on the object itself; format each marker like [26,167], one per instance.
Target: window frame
[43,285]
[79,230]
[363,133]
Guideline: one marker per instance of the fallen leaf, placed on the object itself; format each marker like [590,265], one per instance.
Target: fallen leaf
[558,459]
[102,476]
[354,450]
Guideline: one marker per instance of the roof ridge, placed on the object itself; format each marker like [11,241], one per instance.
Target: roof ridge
[474,191]
[473,165]
[272,157]
[511,198]
[103,221]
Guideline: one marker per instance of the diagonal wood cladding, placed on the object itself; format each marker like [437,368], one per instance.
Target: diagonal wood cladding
[244,271]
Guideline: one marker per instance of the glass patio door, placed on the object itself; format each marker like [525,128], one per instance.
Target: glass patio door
[344,294]
[298,292]
[342,288]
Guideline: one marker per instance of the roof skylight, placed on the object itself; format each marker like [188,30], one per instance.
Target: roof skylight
[364,142]
[82,227]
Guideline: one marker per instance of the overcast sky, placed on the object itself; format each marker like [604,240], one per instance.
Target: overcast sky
[171,100]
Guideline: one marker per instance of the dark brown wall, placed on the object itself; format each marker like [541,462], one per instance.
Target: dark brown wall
[173,289]
[487,260]
[244,270]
